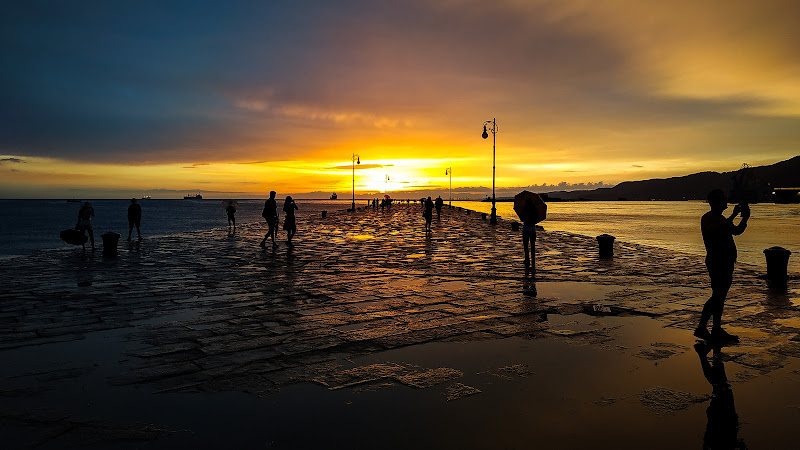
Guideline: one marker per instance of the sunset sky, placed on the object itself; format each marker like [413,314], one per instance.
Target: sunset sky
[119,99]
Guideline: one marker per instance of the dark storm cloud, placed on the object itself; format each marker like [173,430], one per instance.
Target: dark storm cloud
[198,81]
[100,80]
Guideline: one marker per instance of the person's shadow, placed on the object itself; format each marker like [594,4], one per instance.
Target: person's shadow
[722,430]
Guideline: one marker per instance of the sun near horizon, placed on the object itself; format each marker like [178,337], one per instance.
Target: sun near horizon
[123,99]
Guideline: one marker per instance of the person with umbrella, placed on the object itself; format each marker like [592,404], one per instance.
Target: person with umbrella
[531,210]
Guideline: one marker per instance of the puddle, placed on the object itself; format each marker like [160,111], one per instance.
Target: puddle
[361,237]
[574,290]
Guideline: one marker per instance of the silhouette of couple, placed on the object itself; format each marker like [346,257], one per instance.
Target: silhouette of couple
[270,214]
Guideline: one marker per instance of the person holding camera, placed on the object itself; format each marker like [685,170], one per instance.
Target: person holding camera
[718,232]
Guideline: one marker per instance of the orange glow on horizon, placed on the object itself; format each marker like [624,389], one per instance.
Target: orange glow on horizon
[254,179]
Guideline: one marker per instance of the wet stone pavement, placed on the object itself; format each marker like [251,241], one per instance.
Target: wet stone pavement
[369,304]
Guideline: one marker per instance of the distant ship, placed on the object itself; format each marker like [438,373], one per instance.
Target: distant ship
[73,200]
[147,197]
[334,196]
[193,197]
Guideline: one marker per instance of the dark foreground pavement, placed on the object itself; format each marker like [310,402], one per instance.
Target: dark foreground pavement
[368,333]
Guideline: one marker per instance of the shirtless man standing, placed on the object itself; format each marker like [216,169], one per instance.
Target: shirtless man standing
[718,232]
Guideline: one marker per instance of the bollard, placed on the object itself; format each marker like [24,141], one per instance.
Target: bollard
[606,243]
[514,226]
[110,241]
[483,216]
[777,264]
[324,214]
[468,211]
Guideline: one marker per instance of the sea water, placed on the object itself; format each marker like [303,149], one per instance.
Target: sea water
[30,225]
[669,225]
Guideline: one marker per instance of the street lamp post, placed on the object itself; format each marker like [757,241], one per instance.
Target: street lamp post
[485,135]
[449,171]
[356,159]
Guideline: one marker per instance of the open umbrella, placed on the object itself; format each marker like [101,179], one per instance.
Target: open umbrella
[530,207]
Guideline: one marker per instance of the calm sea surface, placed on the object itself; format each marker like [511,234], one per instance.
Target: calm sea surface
[30,225]
[671,225]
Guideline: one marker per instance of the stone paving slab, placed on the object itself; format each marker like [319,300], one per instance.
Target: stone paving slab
[212,312]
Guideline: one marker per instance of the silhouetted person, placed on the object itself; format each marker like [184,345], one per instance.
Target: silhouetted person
[289,222]
[84,224]
[439,203]
[529,237]
[134,218]
[230,209]
[718,233]
[722,430]
[428,213]
[270,213]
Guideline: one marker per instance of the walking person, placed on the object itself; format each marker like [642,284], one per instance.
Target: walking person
[718,232]
[134,218]
[529,241]
[230,209]
[84,224]
[428,214]
[289,222]
[270,213]
[439,203]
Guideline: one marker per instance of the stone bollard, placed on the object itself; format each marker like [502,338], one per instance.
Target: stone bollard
[324,214]
[606,243]
[777,264]
[483,216]
[514,226]
[110,241]
[469,211]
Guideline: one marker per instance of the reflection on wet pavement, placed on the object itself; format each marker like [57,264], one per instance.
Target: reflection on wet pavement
[366,307]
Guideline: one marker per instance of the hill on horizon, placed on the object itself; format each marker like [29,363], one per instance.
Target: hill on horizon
[761,180]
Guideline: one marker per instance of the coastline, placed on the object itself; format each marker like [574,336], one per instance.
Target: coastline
[366,307]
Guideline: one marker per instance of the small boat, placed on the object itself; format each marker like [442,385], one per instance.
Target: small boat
[334,196]
[193,197]
[73,200]
[147,197]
